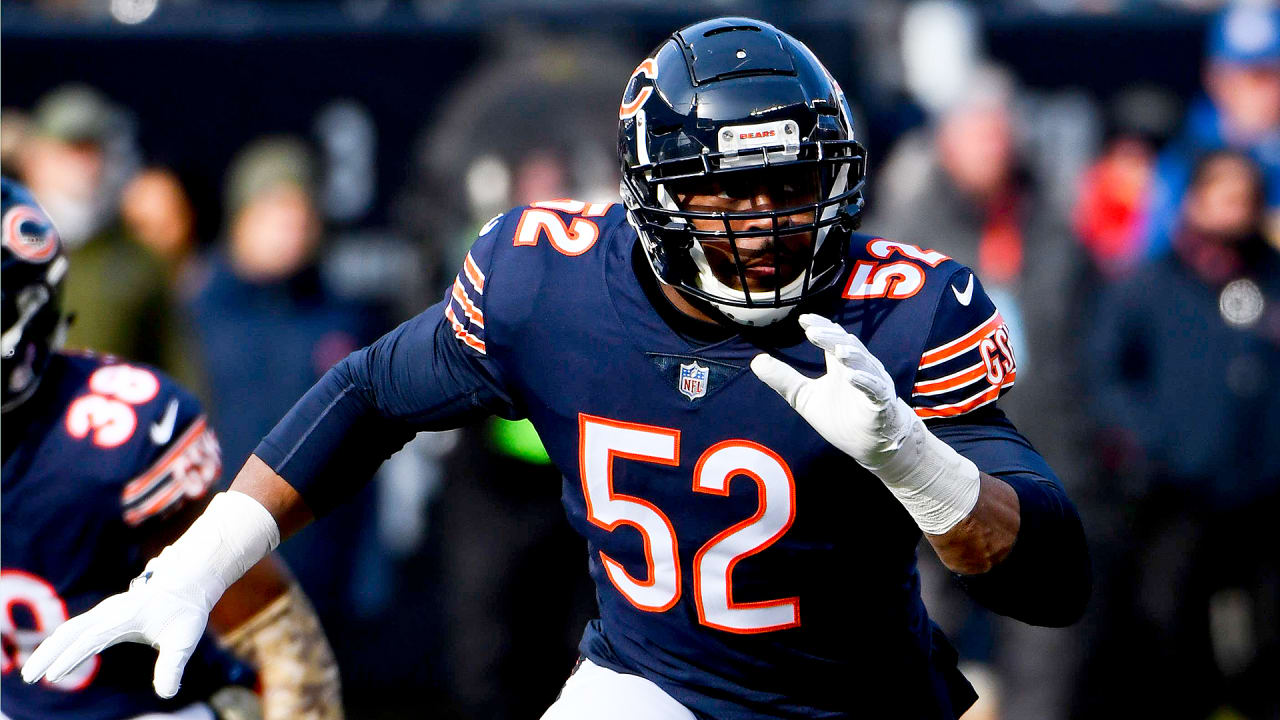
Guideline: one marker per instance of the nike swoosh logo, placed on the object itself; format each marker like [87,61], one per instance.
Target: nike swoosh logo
[162,429]
[967,296]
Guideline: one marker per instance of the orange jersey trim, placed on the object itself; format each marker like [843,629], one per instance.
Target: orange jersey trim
[158,503]
[468,308]
[962,344]
[950,382]
[473,273]
[461,333]
[141,485]
[972,403]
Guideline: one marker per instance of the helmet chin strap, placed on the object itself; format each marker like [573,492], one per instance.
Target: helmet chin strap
[764,314]
[754,317]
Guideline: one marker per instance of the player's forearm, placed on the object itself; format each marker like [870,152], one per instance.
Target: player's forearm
[265,620]
[1015,540]
[257,480]
[296,667]
[1045,577]
[986,536]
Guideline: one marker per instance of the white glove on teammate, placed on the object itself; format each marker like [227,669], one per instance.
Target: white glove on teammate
[855,408]
[168,605]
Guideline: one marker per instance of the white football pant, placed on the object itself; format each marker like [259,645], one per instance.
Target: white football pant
[593,692]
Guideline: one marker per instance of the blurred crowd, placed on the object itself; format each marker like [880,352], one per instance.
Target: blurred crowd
[1132,242]
[1144,295]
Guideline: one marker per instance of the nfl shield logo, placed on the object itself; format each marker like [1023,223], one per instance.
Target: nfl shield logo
[693,380]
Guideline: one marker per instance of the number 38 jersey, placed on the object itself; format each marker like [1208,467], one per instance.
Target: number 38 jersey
[742,563]
[102,451]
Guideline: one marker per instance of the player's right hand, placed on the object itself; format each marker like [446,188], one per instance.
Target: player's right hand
[168,605]
[145,613]
[854,406]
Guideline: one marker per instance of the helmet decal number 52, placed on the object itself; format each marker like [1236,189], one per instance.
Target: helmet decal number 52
[601,441]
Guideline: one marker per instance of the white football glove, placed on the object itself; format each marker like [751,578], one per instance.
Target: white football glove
[168,605]
[855,408]
[143,614]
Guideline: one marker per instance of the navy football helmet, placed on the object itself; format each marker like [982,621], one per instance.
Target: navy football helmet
[33,268]
[735,107]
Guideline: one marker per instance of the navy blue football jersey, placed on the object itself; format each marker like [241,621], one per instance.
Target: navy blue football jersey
[100,451]
[741,562]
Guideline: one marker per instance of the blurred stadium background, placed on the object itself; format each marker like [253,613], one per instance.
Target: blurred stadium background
[253,189]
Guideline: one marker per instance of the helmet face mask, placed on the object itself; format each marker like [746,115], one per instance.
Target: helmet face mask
[740,171]
[30,293]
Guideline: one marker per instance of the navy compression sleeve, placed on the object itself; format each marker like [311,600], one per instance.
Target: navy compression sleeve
[415,378]
[1046,579]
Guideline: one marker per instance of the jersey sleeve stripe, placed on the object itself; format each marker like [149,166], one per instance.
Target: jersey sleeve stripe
[468,308]
[968,404]
[962,344]
[472,271]
[189,473]
[461,333]
[157,504]
[954,381]
[140,486]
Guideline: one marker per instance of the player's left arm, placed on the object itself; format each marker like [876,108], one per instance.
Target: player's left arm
[263,618]
[974,519]
[266,620]
[1040,571]
[430,373]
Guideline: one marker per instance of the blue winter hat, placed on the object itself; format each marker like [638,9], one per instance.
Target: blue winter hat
[1246,35]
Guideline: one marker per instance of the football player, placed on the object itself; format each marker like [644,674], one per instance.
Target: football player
[104,463]
[757,413]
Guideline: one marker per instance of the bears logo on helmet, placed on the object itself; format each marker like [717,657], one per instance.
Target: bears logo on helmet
[29,234]
[33,268]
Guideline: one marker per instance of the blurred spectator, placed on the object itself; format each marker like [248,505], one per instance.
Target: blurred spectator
[78,156]
[79,153]
[1112,203]
[158,213]
[15,133]
[1241,111]
[1181,366]
[964,188]
[269,327]
[1110,215]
